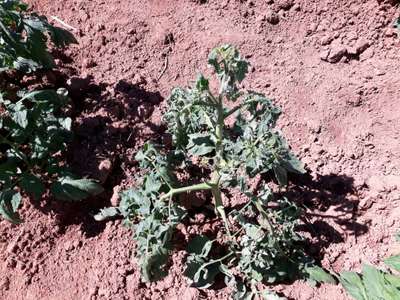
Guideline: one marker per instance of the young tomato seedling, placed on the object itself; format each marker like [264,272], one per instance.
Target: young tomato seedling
[230,136]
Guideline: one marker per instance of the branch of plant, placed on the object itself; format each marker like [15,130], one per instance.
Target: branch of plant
[187,189]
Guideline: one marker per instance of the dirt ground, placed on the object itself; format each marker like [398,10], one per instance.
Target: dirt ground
[333,68]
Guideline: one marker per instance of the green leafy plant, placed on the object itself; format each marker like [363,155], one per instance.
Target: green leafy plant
[230,139]
[34,131]
[33,135]
[24,37]
[370,284]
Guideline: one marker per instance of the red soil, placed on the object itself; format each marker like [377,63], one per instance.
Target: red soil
[333,67]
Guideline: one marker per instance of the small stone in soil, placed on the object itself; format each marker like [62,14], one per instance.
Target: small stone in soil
[104,168]
[285,4]
[324,55]
[272,17]
[115,197]
[337,53]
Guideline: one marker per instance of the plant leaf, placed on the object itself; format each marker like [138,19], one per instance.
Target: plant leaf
[318,274]
[281,175]
[201,273]
[200,245]
[9,203]
[107,213]
[200,144]
[32,185]
[353,285]
[393,262]
[68,189]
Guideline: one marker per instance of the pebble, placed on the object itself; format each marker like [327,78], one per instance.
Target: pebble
[361,46]
[89,63]
[12,247]
[104,168]
[313,27]
[115,196]
[272,17]
[5,284]
[285,4]
[327,39]
[323,55]
[336,53]
[296,7]
[366,202]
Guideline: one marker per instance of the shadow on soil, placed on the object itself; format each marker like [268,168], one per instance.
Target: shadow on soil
[330,209]
[111,123]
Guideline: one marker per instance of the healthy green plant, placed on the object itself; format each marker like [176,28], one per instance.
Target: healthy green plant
[33,136]
[370,284]
[230,139]
[34,130]
[24,37]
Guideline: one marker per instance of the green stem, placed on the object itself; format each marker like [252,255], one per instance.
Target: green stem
[211,262]
[216,191]
[219,207]
[186,189]
[259,207]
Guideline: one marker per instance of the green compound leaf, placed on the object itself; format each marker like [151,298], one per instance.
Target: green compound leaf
[24,38]
[9,203]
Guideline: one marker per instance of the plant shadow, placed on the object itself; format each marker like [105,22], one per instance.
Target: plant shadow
[331,210]
[111,123]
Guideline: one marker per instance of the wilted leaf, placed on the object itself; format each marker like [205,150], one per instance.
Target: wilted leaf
[280,174]
[200,144]
[201,273]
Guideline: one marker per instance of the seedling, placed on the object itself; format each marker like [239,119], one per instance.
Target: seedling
[232,137]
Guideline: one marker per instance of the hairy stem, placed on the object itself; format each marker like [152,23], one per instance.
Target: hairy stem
[216,191]
[186,189]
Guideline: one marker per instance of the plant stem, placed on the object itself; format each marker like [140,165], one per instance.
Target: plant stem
[191,188]
[219,207]
[216,190]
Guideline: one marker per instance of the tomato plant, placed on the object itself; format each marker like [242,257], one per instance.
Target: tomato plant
[34,131]
[24,37]
[231,136]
